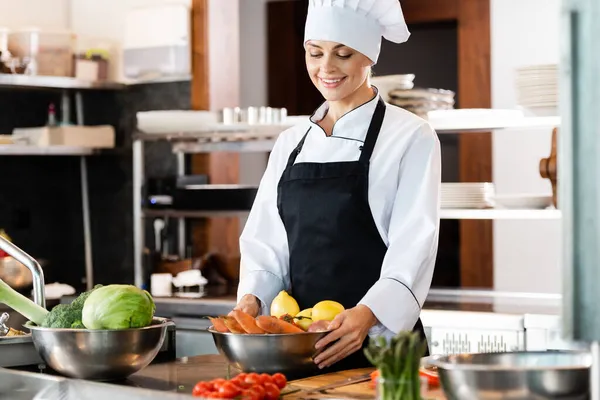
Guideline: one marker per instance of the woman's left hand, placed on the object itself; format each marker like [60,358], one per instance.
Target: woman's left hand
[351,328]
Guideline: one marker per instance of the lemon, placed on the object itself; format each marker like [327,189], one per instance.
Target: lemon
[326,310]
[283,303]
[305,322]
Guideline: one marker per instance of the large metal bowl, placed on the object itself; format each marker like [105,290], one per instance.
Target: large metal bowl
[101,355]
[291,354]
[515,375]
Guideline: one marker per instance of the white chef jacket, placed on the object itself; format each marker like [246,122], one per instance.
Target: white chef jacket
[404,185]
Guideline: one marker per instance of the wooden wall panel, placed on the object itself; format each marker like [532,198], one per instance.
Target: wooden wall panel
[215,85]
[474,70]
[427,11]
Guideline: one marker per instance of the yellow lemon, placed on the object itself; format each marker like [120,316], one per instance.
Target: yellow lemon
[283,304]
[306,321]
[326,310]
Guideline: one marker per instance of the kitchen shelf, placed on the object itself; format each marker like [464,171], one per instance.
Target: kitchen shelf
[55,82]
[241,138]
[26,150]
[506,214]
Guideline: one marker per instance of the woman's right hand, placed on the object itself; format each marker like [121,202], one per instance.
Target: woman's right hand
[249,304]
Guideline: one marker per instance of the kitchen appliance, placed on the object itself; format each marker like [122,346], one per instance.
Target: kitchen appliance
[290,354]
[515,375]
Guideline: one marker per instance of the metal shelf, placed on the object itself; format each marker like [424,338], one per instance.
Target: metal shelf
[153,212]
[25,150]
[55,82]
[506,214]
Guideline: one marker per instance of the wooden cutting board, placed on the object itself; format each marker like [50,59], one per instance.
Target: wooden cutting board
[358,391]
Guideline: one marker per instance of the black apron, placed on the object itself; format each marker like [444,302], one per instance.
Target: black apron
[336,251]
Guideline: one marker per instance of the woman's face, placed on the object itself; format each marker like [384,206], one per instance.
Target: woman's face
[336,70]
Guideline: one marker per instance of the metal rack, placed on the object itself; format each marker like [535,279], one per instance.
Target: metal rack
[66,85]
[256,138]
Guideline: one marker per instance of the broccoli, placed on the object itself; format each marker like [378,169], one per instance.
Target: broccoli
[68,315]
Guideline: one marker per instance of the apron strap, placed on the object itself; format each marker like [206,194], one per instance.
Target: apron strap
[297,150]
[373,132]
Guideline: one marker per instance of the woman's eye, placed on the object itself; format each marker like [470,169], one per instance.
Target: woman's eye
[315,55]
[344,56]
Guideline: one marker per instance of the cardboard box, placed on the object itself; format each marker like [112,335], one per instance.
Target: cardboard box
[102,136]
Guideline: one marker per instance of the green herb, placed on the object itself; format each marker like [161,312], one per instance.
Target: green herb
[398,361]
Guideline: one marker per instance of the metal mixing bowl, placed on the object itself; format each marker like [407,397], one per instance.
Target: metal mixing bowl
[99,354]
[532,375]
[289,354]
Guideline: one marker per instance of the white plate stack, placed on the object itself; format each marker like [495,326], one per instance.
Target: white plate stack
[467,195]
[537,89]
[386,83]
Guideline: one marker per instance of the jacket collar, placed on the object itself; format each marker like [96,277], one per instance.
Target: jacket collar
[352,125]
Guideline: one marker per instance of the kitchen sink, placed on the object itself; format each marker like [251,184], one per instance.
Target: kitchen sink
[24,386]
[17,385]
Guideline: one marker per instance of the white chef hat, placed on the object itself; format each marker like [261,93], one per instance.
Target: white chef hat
[358,24]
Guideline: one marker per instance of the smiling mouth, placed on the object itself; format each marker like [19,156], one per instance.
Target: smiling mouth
[331,83]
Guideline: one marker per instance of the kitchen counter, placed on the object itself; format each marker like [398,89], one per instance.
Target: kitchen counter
[215,301]
[180,376]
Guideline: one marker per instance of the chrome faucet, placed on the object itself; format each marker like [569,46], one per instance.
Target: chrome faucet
[39,295]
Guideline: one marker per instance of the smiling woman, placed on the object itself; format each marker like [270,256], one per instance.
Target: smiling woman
[348,208]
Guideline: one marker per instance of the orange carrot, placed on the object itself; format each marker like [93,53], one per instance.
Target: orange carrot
[274,325]
[289,328]
[219,325]
[233,325]
[247,322]
[269,324]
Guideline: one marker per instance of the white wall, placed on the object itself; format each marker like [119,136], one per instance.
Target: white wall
[526,253]
[45,14]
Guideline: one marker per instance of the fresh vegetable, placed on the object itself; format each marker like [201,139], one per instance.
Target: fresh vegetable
[398,362]
[247,322]
[233,325]
[68,315]
[22,304]
[250,386]
[283,303]
[219,325]
[118,307]
[276,326]
[431,375]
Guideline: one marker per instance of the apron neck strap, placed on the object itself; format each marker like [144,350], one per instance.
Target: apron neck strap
[294,154]
[373,132]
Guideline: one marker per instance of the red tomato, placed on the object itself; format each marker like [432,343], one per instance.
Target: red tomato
[250,395]
[259,390]
[252,379]
[242,375]
[229,390]
[217,383]
[211,395]
[280,380]
[264,378]
[432,377]
[271,391]
[201,387]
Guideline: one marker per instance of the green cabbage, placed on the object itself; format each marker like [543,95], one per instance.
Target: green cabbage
[118,307]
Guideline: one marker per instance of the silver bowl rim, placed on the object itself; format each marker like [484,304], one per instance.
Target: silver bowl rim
[157,322]
[213,331]
[441,363]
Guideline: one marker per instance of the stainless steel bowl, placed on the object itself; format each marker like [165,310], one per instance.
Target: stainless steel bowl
[101,355]
[517,375]
[286,353]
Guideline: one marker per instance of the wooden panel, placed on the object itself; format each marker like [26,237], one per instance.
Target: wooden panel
[215,85]
[475,150]
[289,85]
[424,11]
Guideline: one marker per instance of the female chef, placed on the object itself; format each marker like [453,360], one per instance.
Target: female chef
[347,209]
